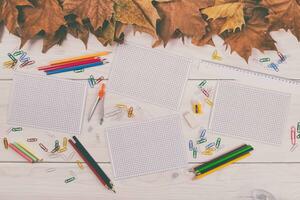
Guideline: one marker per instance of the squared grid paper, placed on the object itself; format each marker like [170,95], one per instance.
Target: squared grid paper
[146,147]
[250,113]
[150,75]
[47,103]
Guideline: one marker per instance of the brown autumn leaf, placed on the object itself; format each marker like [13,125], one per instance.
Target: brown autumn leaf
[46,16]
[76,29]
[284,14]
[254,35]
[183,16]
[54,38]
[213,28]
[233,12]
[139,13]
[97,11]
[9,13]
[106,34]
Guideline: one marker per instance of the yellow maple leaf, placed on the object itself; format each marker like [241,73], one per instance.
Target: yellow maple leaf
[233,12]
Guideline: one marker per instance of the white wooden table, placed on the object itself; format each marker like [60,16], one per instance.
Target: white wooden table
[274,169]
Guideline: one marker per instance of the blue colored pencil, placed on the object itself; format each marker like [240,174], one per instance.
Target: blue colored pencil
[79,67]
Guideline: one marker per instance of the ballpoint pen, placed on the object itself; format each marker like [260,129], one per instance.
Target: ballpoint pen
[100,98]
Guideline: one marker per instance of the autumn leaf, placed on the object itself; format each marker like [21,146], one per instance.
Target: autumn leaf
[233,12]
[9,13]
[139,13]
[284,14]
[183,16]
[76,29]
[46,16]
[254,35]
[106,34]
[97,11]
[54,38]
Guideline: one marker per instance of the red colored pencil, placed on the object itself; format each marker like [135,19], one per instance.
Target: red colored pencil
[71,64]
[87,162]
[20,153]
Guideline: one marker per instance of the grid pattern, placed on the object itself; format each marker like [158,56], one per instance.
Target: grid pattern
[47,103]
[249,113]
[149,75]
[146,147]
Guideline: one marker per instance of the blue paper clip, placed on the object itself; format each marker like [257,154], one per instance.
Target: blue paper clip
[273,66]
[202,133]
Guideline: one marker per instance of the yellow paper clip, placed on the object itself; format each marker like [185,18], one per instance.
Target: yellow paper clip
[215,56]
[209,102]
[65,142]
[197,108]
[130,112]
[80,165]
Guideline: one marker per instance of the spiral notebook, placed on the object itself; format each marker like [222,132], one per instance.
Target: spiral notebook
[254,107]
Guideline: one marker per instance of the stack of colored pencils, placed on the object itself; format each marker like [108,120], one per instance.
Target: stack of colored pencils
[222,161]
[23,151]
[89,160]
[75,63]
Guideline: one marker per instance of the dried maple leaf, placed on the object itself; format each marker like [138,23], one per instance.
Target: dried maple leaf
[233,12]
[183,16]
[54,38]
[9,13]
[213,28]
[140,13]
[254,35]
[76,29]
[46,16]
[284,14]
[106,34]
[97,11]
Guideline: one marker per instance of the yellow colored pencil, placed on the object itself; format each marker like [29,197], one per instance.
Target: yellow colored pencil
[221,167]
[103,53]
[29,151]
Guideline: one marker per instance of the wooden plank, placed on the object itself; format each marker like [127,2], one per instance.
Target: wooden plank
[286,42]
[93,135]
[32,181]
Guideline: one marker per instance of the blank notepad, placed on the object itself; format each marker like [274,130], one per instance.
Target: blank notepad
[146,147]
[149,75]
[47,103]
[249,113]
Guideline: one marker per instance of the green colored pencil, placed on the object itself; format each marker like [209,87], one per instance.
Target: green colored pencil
[223,159]
[35,159]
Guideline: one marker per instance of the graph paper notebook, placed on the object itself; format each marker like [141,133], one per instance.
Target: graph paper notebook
[249,112]
[146,147]
[47,103]
[149,75]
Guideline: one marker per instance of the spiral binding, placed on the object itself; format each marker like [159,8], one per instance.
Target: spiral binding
[249,72]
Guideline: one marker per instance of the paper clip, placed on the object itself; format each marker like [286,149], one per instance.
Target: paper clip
[202,83]
[51,170]
[5,142]
[264,60]
[30,62]
[71,155]
[70,179]
[65,142]
[197,108]
[202,133]
[293,147]
[210,145]
[61,150]
[205,92]
[195,152]
[55,149]
[9,64]
[298,127]
[209,102]
[43,147]
[207,152]
[293,135]
[56,143]
[130,112]
[215,56]
[202,140]
[79,71]
[112,113]
[16,129]
[79,164]
[92,81]
[273,66]
[191,145]
[298,136]
[17,53]
[218,142]
[31,139]
[12,57]
[281,56]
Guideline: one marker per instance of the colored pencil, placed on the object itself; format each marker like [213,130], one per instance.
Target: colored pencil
[220,157]
[223,159]
[28,150]
[35,159]
[221,167]
[91,163]
[20,153]
[74,68]
[71,64]
[103,53]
